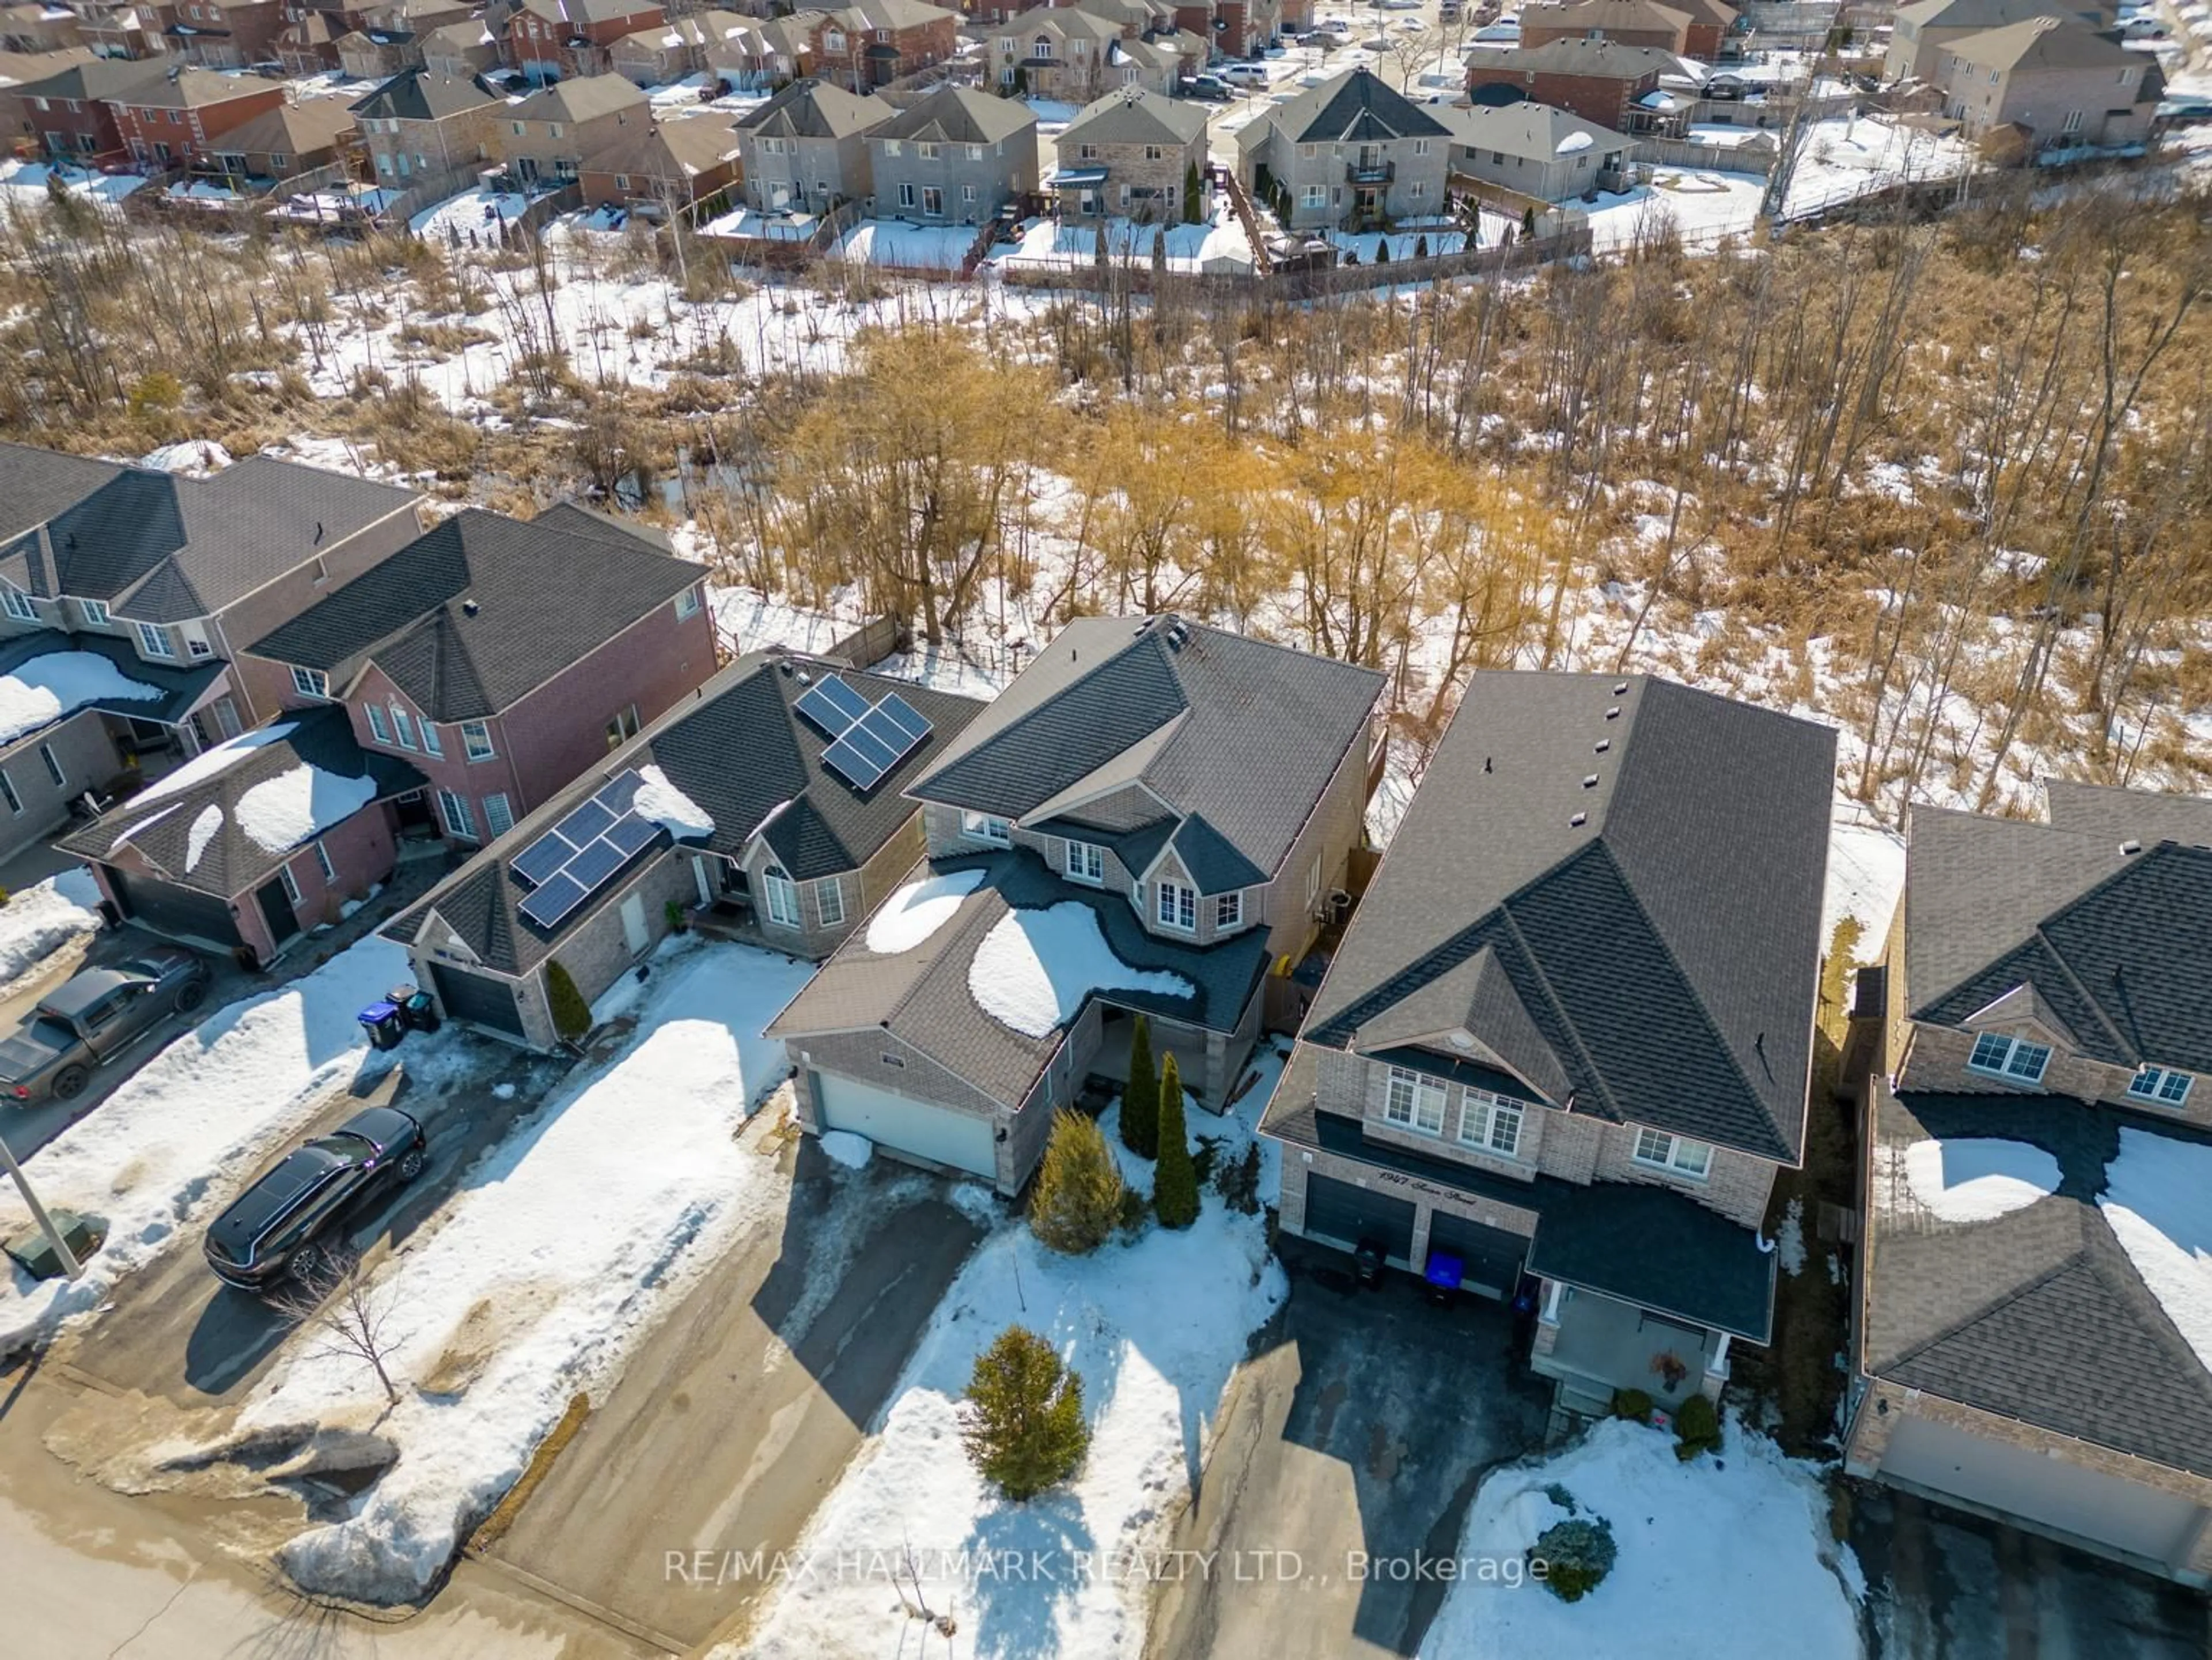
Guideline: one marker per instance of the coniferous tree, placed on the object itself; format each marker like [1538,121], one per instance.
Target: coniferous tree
[572,1015]
[1174,1182]
[1022,1418]
[1078,1201]
[1140,1101]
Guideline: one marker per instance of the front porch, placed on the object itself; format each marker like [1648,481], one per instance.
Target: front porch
[1188,1045]
[1591,1345]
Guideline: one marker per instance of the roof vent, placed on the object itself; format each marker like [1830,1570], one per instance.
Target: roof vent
[469,608]
[1178,636]
[1485,764]
[1589,781]
[1604,745]
[2129,847]
[1613,713]
[1578,821]
[1460,1040]
[1621,690]
[804,678]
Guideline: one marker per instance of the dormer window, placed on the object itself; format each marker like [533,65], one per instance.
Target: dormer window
[2162,1085]
[310,682]
[1176,907]
[20,606]
[94,612]
[1413,1102]
[2013,1059]
[982,827]
[1228,911]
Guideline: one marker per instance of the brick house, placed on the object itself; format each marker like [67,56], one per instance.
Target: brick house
[684,45]
[549,135]
[1920,31]
[1058,51]
[666,166]
[1601,81]
[32,27]
[807,148]
[546,40]
[1567,1042]
[1535,151]
[2050,81]
[1350,152]
[288,141]
[875,42]
[1237,29]
[1627,22]
[114,29]
[460,51]
[500,656]
[424,125]
[783,852]
[1134,154]
[2032,1052]
[1152,815]
[956,156]
[309,43]
[70,114]
[769,52]
[179,119]
[226,34]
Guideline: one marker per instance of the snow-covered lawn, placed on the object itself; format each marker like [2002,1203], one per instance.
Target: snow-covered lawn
[754,622]
[895,243]
[1846,156]
[164,1150]
[26,182]
[1702,207]
[1719,1556]
[918,910]
[39,692]
[563,1243]
[1866,874]
[1075,241]
[41,919]
[474,210]
[1977,1179]
[1154,1329]
[2158,1202]
[1035,968]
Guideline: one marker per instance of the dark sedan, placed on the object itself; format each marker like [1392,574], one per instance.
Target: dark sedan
[278,1226]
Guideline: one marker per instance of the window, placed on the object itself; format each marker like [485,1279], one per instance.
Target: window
[1308,152]
[1420,147]
[499,818]
[889,1060]
[2010,1057]
[1413,1102]
[96,611]
[1417,189]
[1491,1122]
[454,809]
[623,727]
[2073,122]
[1086,152]
[1229,910]
[1153,152]
[933,200]
[431,744]
[8,792]
[967,192]
[1085,862]
[195,646]
[53,767]
[322,863]
[927,152]
[982,827]
[890,146]
[686,603]
[1675,1154]
[310,682]
[291,883]
[476,740]
[829,901]
[377,727]
[782,897]
[906,195]
[403,724]
[621,181]
[1315,197]
[1176,907]
[2163,1085]
[20,608]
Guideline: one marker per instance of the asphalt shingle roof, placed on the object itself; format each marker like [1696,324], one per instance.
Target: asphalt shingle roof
[35,485]
[1644,864]
[1356,107]
[816,109]
[482,609]
[958,115]
[417,95]
[1236,737]
[1144,119]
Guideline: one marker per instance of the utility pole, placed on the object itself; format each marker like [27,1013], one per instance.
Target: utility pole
[38,1211]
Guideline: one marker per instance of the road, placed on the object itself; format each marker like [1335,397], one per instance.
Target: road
[1365,1424]
[735,1417]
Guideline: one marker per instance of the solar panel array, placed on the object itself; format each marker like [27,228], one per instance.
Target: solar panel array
[870,739]
[571,861]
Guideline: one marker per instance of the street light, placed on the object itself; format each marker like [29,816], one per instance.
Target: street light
[38,1211]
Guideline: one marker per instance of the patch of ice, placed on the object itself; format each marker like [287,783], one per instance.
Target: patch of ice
[918,910]
[669,807]
[1978,1178]
[298,805]
[41,691]
[502,1091]
[851,1151]
[1034,969]
[2156,1202]
[202,832]
[1790,1239]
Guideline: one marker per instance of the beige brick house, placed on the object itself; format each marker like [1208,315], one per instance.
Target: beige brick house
[422,125]
[2053,82]
[1565,1045]
[1060,52]
[2039,1176]
[1923,30]
[1352,153]
[1136,155]
[550,136]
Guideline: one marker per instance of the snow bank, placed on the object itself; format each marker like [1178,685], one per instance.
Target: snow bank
[547,1266]
[918,910]
[2158,1201]
[39,692]
[1571,143]
[1035,968]
[1155,1330]
[40,920]
[300,803]
[196,460]
[166,1148]
[850,1149]
[1978,1179]
[1866,874]
[1716,1557]
[669,807]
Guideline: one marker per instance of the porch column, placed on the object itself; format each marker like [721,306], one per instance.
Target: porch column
[1547,1320]
[1716,1371]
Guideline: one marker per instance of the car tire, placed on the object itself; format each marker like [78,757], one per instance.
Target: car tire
[70,1082]
[192,996]
[305,1263]
[410,1164]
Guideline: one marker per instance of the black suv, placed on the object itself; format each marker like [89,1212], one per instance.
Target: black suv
[273,1226]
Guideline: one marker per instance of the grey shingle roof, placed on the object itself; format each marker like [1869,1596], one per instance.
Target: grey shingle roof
[1356,107]
[958,115]
[1608,59]
[2117,947]
[546,593]
[1144,119]
[417,95]
[35,485]
[1645,1244]
[1664,949]
[160,823]
[181,687]
[1238,734]
[585,98]
[1528,130]
[816,109]
[922,995]
[2038,1314]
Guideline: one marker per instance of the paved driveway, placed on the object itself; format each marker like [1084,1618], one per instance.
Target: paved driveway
[1363,1424]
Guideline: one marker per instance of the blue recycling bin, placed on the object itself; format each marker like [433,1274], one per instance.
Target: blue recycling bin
[386,1024]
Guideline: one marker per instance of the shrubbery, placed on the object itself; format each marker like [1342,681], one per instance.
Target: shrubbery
[1576,1555]
[1697,1428]
[572,1015]
[1022,1418]
[1078,1201]
[1175,1183]
[1632,1403]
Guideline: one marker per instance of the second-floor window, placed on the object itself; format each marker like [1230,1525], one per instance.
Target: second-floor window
[476,740]
[95,611]
[2010,1057]
[310,682]
[982,827]
[1676,1153]
[1177,906]
[155,641]
[1490,1123]
[2163,1085]
[623,727]
[686,603]
[20,608]
[1229,910]
[829,901]
[1414,1102]
[1087,861]
[402,726]
[431,744]
[377,728]
[782,896]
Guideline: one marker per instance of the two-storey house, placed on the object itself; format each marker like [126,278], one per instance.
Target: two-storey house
[791,851]
[1628,23]
[2035,1048]
[114,28]
[660,53]
[1349,153]
[69,114]
[807,148]
[1603,82]
[873,43]
[549,136]
[422,125]
[1921,31]
[460,51]
[957,156]
[1136,155]
[545,40]
[30,28]
[1566,1041]
[226,34]
[286,142]
[182,117]
[1151,816]
[1061,52]
[664,167]
[2054,81]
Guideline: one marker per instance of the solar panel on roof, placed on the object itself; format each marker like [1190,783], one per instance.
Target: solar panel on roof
[617,795]
[910,721]
[595,863]
[541,858]
[588,821]
[846,759]
[832,705]
[876,741]
[630,833]
[549,905]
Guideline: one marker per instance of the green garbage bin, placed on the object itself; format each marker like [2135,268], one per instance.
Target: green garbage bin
[35,1254]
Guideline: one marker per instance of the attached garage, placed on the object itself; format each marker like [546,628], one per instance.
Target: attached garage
[482,999]
[899,1124]
[2051,1493]
[1344,1213]
[167,908]
[1490,1258]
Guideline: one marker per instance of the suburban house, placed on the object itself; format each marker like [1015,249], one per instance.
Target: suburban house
[114,29]
[1148,820]
[177,118]
[792,850]
[2031,1342]
[286,142]
[225,34]
[501,657]
[1604,82]
[2051,81]
[309,43]
[767,52]
[546,40]
[873,43]
[32,27]
[1922,31]
[660,53]
[460,50]
[807,147]
[126,595]
[1695,28]
[424,125]
[957,156]
[1237,28]
[1061,52]
[549,136]
[1138,155]
[1567,1037]
[72,113]
[1537,150]
[666,166]
[1350,154]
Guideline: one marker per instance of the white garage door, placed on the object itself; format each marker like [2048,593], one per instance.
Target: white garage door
[937,1134]
[2063,1497]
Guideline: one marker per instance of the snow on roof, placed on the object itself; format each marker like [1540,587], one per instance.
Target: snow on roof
[39,692]
[2155,1202]
[203,832]
[1573,142]
[206,764]
[918,910]
[1034,969]
[1977,1179]
[669,807]
[298,805]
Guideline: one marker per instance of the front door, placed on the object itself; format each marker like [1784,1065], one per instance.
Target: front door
[277,911]
[932,201]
